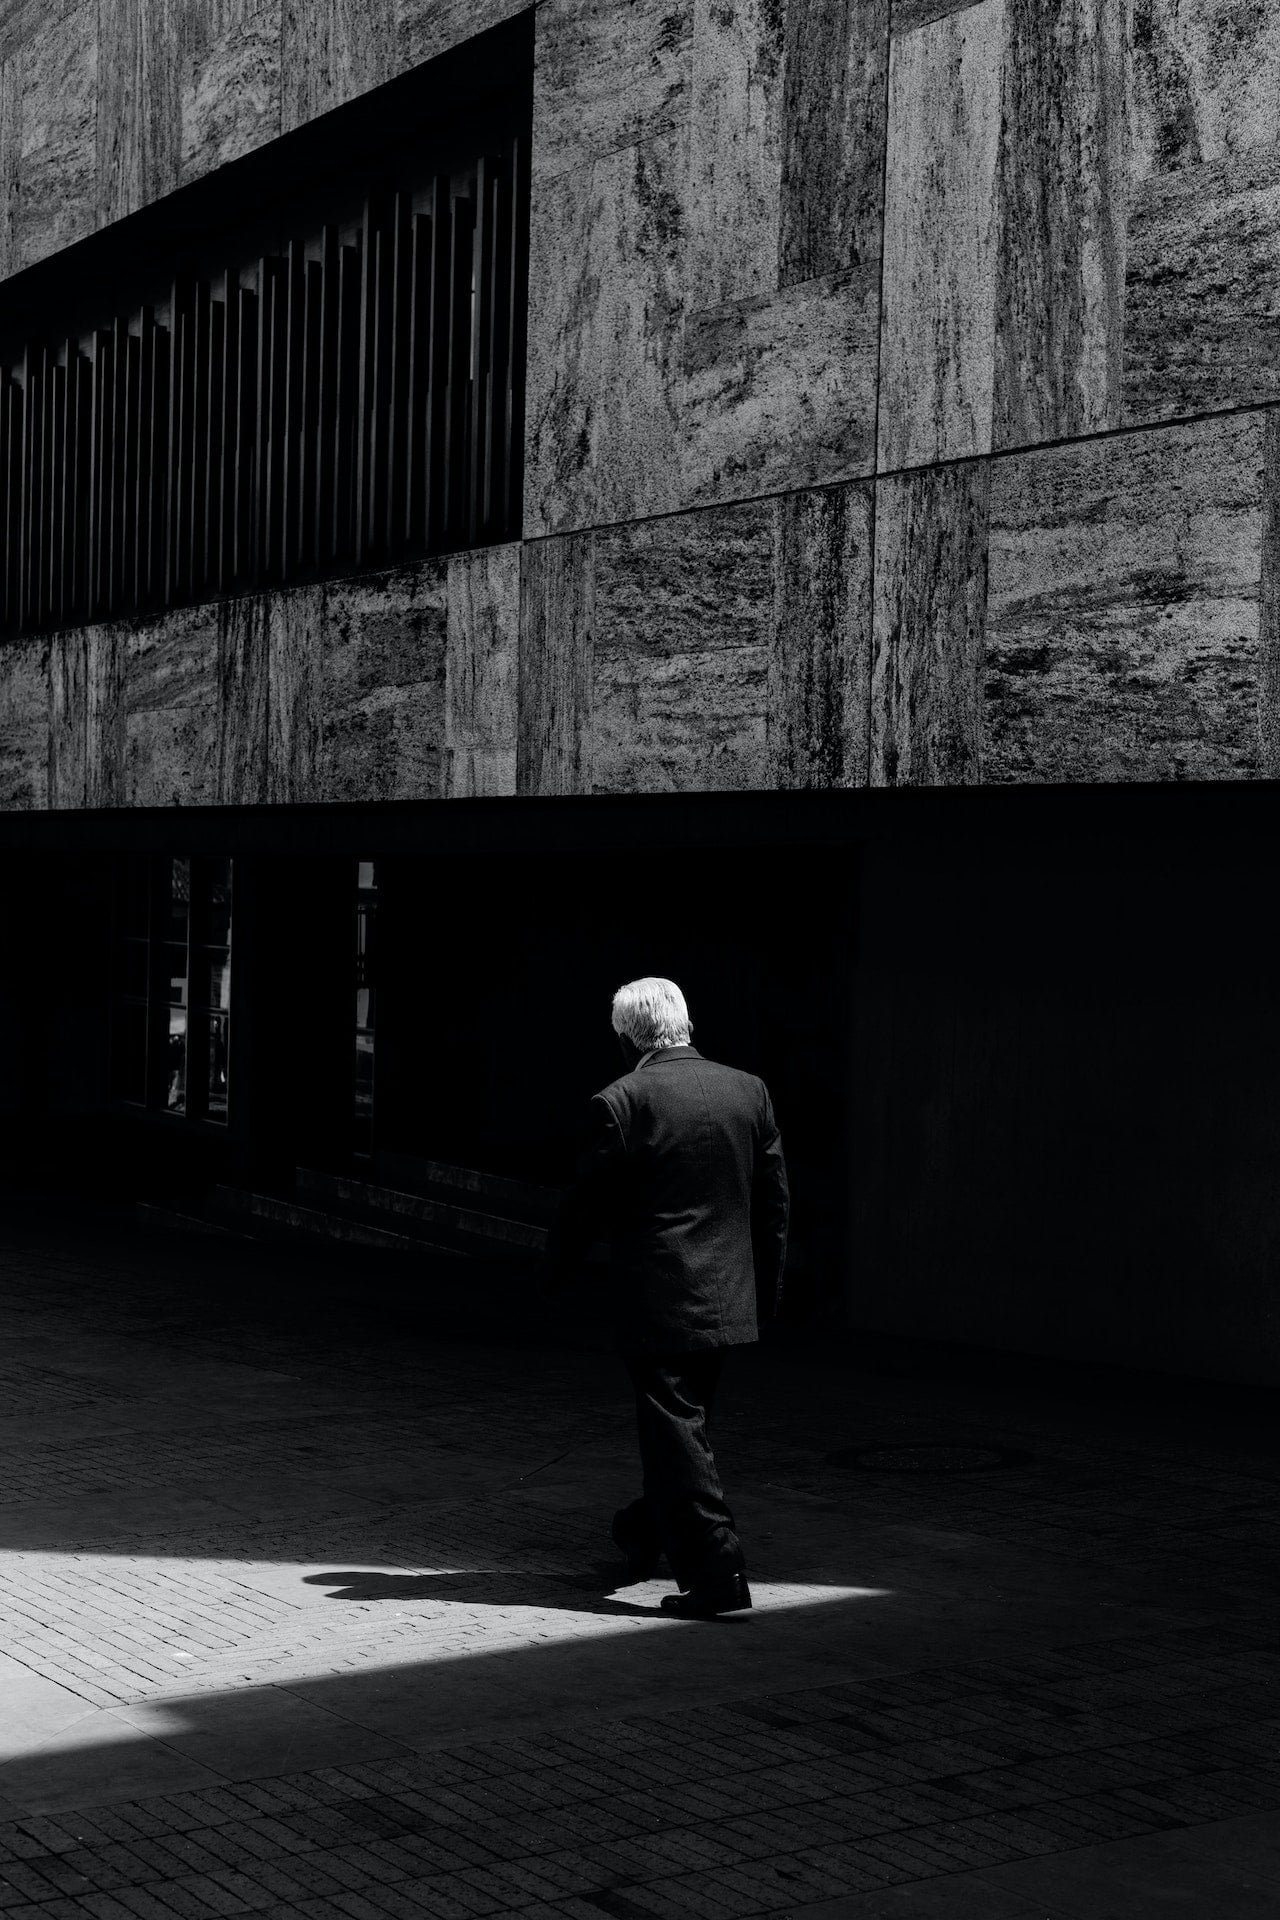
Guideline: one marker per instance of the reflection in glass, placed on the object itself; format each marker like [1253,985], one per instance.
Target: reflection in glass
[212,895]
[175,960]
[215,982]
[173,953]
[179,898]
[366,916]
[216,1058]
[130,1049]
[366,904]
[176,1098]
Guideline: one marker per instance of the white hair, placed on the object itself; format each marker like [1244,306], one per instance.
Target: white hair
[652,1013]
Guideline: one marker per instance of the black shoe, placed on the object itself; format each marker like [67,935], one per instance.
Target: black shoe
[728,1594]
[641,1554]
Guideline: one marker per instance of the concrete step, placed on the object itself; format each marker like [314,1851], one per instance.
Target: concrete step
[175,1220]
[269,1213]
[458,1211]
[467,1289]
[489,1192]
[422,1214]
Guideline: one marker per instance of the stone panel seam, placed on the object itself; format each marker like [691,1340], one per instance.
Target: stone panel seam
[929,16]
[868,721]
[870,477]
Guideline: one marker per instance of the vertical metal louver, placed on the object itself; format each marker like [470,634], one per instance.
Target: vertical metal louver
[353,400]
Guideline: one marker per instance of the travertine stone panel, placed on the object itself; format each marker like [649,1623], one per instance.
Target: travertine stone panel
[833,136]
[382,732]
[231,86]
[606,278]
[736,148]
[608,73]
[333,50]
[19,19]
[819,695]
[1060,237]
[941,225]
[243,687]
[922,13]
[86,724]
[171,695]
[1006,196]
[780,390]
[1202,294]
[56,74]
[648,217]
[139,104]
[24,726]
[930,611]
[1123,623]
[1206,81]
[1203,282]
[683,620]
[295,660]
[425,28]
[106,656]
[10,161]
[481,712]
[1269,610]
[66,719]
[554,684]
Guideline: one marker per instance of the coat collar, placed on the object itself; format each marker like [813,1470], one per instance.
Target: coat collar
[667,1053]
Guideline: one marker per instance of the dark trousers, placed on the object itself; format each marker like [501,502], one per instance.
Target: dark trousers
[683,1511]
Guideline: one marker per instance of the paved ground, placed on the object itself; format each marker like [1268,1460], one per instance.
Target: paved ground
[308,1610]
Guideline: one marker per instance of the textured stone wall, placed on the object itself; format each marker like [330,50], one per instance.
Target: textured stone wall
[393,686]
[899,405]
[107,104]
[973,279]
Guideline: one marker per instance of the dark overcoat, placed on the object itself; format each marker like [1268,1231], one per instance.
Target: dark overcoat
[682,1173]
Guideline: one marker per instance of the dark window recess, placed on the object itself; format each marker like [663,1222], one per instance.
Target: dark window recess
[171,1029]
[351,400]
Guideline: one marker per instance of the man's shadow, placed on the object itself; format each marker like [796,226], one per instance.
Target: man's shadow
[588,1592]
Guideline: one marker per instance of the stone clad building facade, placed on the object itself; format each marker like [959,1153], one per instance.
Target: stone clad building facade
[887,637]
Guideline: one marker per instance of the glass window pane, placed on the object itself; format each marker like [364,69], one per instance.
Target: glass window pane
[179,898]
[366,1003]
[364,939]
[133,967]
[175,974]
[211,901]
[216,1067]
[129,1053]
[213,982]
[176,1062]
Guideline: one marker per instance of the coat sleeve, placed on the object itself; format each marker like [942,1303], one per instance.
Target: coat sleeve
[587,1207]
[770,1211]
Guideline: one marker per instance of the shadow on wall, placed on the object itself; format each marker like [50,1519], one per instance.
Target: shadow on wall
[1068,1103]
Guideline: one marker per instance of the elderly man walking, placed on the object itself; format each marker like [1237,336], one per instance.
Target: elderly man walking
[682,1172]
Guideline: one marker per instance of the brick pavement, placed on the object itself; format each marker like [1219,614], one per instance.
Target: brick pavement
[307,1610]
